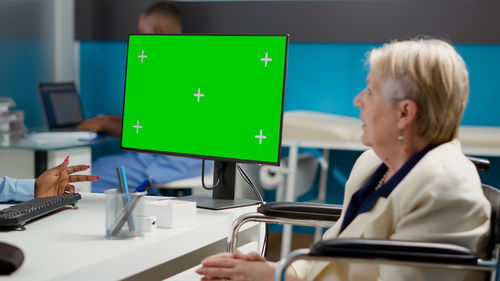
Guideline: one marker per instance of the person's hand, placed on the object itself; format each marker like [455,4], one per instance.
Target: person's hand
[253,256]
[104,123]
[96,124]
[237,266]
[57,180]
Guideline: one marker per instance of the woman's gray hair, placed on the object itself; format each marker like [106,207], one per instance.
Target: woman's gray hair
[431,73]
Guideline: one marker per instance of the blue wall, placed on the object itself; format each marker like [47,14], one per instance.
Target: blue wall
[320,76]
[23,65]
[102,77]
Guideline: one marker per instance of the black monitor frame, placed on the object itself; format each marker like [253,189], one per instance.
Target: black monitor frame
[223,195]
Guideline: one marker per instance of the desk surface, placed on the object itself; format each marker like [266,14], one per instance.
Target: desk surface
[45,147]
[70,244]
[51,144]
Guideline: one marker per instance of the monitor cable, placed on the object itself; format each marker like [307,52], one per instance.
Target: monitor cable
[245,177]
[219,175]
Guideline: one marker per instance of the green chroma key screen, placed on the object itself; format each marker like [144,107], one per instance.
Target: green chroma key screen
[206,96]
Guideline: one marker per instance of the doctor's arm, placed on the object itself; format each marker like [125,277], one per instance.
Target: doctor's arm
[52,182]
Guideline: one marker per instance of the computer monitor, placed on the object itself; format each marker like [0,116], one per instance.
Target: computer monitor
[61,105]
[216,97]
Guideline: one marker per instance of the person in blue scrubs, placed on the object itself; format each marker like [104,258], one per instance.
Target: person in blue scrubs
[52,182]
[159,18]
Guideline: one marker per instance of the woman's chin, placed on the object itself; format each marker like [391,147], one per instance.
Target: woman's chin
[364,141]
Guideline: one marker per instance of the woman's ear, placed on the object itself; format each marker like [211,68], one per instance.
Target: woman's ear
[407,113]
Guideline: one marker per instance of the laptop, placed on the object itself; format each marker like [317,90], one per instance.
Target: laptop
[61,104]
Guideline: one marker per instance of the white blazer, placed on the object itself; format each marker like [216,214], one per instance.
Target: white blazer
[439,200]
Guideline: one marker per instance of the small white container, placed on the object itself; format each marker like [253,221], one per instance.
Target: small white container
[147,224]
[171,213]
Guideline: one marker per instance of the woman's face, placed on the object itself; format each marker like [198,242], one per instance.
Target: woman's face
[378,116]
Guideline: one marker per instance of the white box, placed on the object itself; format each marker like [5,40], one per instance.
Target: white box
[171,213]
[146,224]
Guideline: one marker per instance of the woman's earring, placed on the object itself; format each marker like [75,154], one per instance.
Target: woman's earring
[401,141]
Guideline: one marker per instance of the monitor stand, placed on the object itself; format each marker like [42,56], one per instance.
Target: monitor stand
[223,194]
[207,202]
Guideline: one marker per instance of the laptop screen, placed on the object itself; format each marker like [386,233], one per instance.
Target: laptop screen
[62,104]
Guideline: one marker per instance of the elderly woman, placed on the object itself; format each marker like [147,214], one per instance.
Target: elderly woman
[414,184]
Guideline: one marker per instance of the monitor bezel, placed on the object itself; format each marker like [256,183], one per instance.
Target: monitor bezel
[206,157]
[44,96]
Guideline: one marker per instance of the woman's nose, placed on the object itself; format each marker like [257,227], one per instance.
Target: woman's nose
[358,100]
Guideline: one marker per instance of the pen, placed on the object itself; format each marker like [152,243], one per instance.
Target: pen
[142,187]
[118,173]
[148,185]
[123,176]
[122,179]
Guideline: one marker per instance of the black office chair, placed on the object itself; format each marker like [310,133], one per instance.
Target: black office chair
[304,213]
[407,252]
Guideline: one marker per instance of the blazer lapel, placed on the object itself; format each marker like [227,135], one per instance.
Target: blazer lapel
[356,180]
[356,229]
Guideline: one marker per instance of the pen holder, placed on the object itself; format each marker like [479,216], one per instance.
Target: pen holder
[122,210]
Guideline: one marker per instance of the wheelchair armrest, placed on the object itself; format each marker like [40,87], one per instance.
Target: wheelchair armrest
[301,210]
[403,251]
[389,251]
[481,164]
[298,213]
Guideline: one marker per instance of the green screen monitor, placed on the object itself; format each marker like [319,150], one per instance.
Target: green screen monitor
[215,97]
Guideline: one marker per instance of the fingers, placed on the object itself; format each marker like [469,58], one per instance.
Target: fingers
[217,256]
[205,278]
[224,263]
[61,167]
[61,183]
[217,267]
[215,273]
[238,255]
[79,178]
[82,126]
[70,188]
[96,124]
[77,168]
[253,256]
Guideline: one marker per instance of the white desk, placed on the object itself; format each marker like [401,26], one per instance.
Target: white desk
[70,245]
